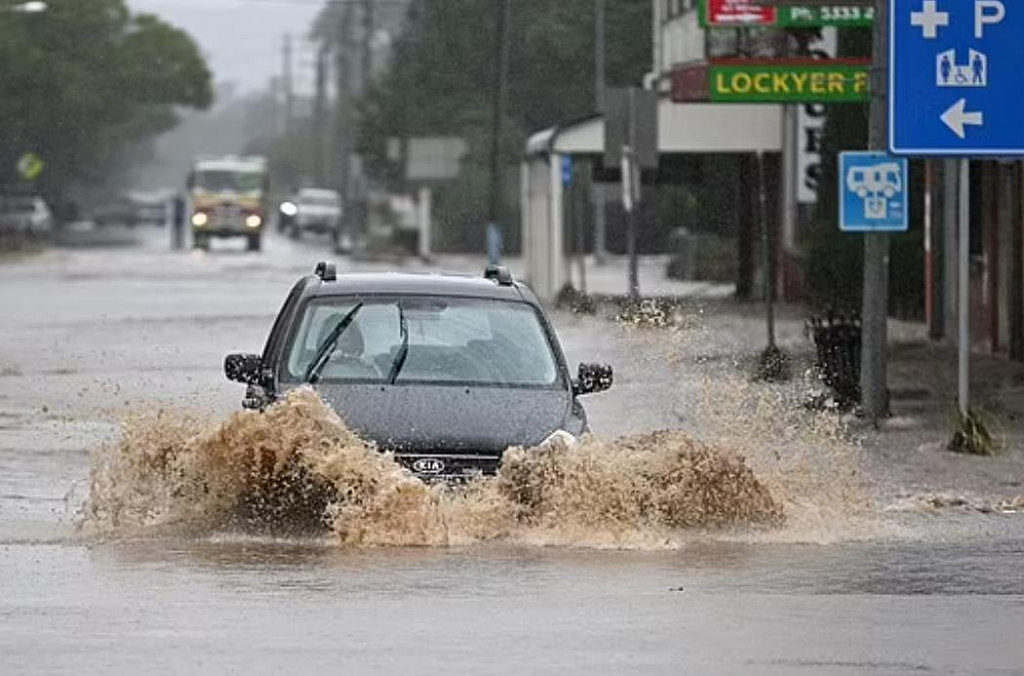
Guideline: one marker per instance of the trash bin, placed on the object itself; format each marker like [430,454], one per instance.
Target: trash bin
[837,339]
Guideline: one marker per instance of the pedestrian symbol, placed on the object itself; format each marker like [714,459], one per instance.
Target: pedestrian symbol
[972,73]
[873,188]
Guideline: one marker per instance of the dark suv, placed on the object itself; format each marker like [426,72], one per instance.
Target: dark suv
[446,371]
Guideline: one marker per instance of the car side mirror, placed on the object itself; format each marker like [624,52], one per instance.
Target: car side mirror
[593,378]
[244,368]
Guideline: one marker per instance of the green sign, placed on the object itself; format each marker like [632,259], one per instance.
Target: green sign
[30,166]
[746,13]
[842,16]
[788,81]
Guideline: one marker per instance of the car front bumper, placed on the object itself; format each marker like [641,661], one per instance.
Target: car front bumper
[441,467]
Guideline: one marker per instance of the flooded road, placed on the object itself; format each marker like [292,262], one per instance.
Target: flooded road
[227,606]
[860,579]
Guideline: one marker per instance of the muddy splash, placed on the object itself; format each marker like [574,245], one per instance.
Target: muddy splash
[296,469]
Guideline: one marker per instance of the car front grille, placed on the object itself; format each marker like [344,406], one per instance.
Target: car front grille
[449,467]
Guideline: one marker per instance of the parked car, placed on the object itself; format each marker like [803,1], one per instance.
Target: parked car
[445,371]
[118,212]
[25,215]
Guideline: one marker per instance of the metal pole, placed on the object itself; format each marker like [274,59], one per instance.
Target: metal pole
[426,215]
[766,253]
[600,216]
[634,185]
[502,44]
[790,136]
[286,68]
[929,259]
[964,290]
[367,46]
[343,64]
[599,57]
[875,311]
[580,227]
[319,112]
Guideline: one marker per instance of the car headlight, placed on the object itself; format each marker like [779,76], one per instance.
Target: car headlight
[253,221]
[199,219]
[289,208]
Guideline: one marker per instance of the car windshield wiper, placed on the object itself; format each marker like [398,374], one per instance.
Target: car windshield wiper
[326,349]
[403,351]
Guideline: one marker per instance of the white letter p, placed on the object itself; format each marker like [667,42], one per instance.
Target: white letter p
[983,17]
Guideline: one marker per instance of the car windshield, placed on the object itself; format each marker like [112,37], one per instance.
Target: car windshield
[450,341]
[219,180]
[319,199]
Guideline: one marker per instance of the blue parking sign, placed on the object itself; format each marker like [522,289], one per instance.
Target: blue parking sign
[955,77]
[873,189]
[567,170]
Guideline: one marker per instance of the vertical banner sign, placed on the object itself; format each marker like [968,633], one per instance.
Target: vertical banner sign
[810,129]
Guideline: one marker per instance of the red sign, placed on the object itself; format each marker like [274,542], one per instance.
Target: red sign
[738,13]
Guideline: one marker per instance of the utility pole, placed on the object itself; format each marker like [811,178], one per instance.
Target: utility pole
[286,82]
[319,113]
[600,80]
[875,311]
[502,46]
[367,56]
[343,63]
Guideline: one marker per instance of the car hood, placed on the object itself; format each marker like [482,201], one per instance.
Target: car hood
[432,418]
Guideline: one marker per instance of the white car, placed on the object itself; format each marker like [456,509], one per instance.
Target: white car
[25,215]
[316,210]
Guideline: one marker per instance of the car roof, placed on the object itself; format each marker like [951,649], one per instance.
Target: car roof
[427,283]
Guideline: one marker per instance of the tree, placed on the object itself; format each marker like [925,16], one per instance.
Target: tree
[84,82]
[441,75]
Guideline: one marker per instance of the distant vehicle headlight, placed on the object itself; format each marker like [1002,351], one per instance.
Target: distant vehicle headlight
[199,219]
[253,221]
[289,208]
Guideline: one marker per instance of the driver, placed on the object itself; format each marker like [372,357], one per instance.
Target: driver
[347,360]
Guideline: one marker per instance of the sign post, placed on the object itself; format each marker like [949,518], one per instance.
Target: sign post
[954,91]
[963,305]
[631,142]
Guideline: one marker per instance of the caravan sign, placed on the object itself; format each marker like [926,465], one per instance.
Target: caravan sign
[873,193]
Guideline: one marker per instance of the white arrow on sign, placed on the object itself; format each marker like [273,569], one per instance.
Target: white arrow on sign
[955,118]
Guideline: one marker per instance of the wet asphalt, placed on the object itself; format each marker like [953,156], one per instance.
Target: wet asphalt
[91,334]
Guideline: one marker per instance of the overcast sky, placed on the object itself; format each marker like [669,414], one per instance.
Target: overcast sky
[242,39]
